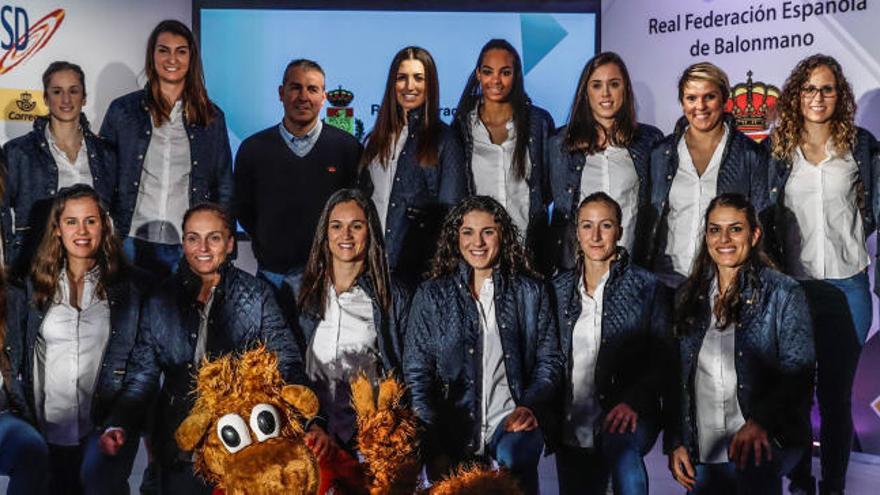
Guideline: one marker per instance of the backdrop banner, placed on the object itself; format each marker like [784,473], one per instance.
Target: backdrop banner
[107,38]
[757,42]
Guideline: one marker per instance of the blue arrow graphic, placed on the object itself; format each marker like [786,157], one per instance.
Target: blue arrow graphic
[540,34]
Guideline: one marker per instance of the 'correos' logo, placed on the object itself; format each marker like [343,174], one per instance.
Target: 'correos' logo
[24,39]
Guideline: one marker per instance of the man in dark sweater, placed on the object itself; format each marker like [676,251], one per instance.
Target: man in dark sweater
[284,174]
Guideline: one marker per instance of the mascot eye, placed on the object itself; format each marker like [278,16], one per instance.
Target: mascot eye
[233,433]
[265,422]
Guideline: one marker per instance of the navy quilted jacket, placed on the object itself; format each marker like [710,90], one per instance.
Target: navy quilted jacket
[775,361]
[420,198]
[24,322]
[566,169]
[389,327]
[743,170]
[541,128]
[635,336]
[128,126]
[867,156]
[243,315]
[32,182]
[442,358]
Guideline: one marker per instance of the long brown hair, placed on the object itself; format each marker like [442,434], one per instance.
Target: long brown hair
[390,120]
[50,257]
[696,289]
[787,134]
[518,99]
[196,106]
[582,131]
[512,257]
[312,298]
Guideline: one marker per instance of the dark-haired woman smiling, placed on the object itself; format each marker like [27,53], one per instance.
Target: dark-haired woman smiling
[172,148]
[481,358]
[78,325]
[602,148]
[59,152]
[412,165]
[505,137]
[350,315]
[746,359]
[613,314]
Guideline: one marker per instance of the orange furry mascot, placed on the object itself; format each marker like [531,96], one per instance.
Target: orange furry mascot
[388,441]
[245,429]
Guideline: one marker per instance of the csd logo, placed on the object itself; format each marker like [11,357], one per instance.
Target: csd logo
[23,40]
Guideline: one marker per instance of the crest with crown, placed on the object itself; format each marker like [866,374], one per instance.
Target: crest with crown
[341,115]
[753,104]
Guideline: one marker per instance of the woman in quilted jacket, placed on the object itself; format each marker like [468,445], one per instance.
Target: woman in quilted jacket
[481,357]
[611,315]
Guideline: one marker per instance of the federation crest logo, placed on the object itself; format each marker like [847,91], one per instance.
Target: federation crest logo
[341,114]
[753,104]
[25,102]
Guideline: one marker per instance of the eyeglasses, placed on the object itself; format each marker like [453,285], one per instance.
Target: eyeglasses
[809,92]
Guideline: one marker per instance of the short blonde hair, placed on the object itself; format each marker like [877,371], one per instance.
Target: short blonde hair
[705,71]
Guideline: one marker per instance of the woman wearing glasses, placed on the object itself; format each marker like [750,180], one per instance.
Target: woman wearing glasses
[823,188]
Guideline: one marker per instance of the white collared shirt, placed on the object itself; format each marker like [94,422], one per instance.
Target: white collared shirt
[163,194]
[826,239]
[302,145]
[689,196]
[492,166]
[719,416]
[70,173]
[584,411]
[202,337]
[383,177]
[612,171]
[67,359]
[345,344]
[497,401]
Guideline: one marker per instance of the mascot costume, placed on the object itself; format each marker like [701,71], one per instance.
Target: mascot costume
[246,430]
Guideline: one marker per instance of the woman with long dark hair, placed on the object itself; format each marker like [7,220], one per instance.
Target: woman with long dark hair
[412,165]
[172,148]
[482,359]
[704,157]
[504,137]
[612,314]
[77,325]
[824,191]
[738,415]
[350,316]
[59,152]
[602,148]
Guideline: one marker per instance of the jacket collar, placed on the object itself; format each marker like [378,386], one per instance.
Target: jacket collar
[727,118]
[617,269]
[413,119]
[465,274]
[192,283]
[41,122]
